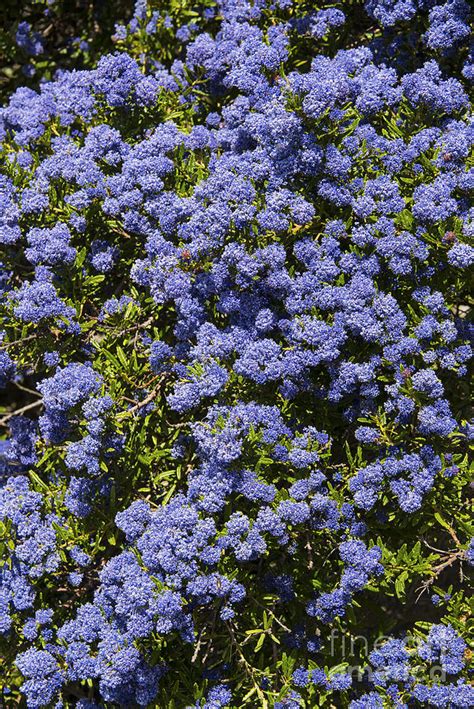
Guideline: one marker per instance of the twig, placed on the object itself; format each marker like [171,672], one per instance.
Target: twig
[141,404]
[309,549]
[23,388]
[268,610]
[211,635]
[448,562]
[248,668]
[439,551]
[33,405]
[437,571]
[198,646]
[4,345]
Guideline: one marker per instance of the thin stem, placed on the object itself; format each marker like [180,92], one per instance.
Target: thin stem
[436,571]
[4,345]
[28,407]
[248,668]
[141,404]
[23,388]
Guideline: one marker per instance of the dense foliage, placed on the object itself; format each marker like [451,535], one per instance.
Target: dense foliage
[234,351]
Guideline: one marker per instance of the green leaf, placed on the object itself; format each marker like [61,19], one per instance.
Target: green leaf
[400,584]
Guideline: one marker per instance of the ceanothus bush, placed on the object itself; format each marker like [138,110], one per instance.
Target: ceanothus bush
[235,335]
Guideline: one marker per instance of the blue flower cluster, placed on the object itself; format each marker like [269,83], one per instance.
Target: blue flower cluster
[35,553]
[235,283]
[393,666]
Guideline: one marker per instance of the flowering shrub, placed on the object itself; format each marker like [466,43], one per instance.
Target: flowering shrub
[234,362]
